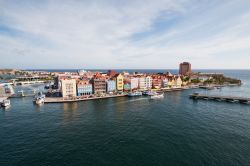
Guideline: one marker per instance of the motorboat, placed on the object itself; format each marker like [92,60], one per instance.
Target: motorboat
[157,96]
[39,98]
[133,94]
[5,103]
[149,93]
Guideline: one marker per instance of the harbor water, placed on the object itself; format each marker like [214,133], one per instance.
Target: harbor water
[174,130]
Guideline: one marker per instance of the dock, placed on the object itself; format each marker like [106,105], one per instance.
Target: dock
[231,99]
[75,99]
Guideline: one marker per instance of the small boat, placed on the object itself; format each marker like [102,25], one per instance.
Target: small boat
[157,96]
[246,102]
[5,103]
[232,101]
[133,94]
[39,101]
[39,98]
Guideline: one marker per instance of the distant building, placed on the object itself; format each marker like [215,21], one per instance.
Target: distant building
[157,82]
[68,87]
[81,72]
[111,85]
[111,73]
[178,82]
[145,82]
[119,82]
[142,83]
[165,83]
[148,82]
[84,88]
[127,86]
[185,68]
[99,84]
[134,83]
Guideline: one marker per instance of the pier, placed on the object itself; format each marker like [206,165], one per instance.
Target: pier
[77,99]
[231,99]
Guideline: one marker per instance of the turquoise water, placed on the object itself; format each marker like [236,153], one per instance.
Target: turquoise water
[129,131]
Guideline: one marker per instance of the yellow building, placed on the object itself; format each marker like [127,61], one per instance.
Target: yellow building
[119,82]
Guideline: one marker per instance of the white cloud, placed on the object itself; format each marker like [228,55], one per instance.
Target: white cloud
[88,34]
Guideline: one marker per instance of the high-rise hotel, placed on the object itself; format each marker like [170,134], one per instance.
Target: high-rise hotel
[185,68]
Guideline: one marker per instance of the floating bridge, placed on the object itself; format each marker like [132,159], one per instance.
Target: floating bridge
[231,99]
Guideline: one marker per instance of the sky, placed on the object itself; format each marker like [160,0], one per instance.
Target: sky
[136,34]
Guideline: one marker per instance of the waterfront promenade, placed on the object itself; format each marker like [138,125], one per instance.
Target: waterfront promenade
[76,99]
[79,98]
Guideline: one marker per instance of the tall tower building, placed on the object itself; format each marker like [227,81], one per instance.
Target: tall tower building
[185,68]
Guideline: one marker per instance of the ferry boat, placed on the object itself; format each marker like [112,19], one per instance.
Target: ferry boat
[157,96]
[133,94]
[5,103]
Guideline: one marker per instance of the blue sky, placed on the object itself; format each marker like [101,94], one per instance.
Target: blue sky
[134,34]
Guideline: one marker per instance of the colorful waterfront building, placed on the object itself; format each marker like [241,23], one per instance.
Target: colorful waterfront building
[165,83]
[157,82]
[171,81]
[84,88]
[148,82]
[111,73]
[134,83]
[99,84]
[127,86]
[119,82]
[142,83]
[68,87]
[178,82]
[111,85]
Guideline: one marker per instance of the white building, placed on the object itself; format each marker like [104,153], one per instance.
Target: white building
[145,82]
[148,82]
[134,83]
[178,82]
[68,88]
[142,83]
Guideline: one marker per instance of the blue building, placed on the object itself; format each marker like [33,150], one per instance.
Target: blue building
[111,85]
[84,89]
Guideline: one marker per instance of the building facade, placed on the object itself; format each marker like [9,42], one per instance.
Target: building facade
[99,85]
[157,83]
[185,68]
[134,83]
[177,82]
[119,82]
[142,83]
[148,82]
[68,87]
[165,83]
[111,85]
[127,86]
[84,88]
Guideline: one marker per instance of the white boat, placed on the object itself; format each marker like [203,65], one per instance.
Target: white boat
[5,103]
[39,98]
[246,102]
[157,96]
[39,101]
[149,93]
[132,94]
